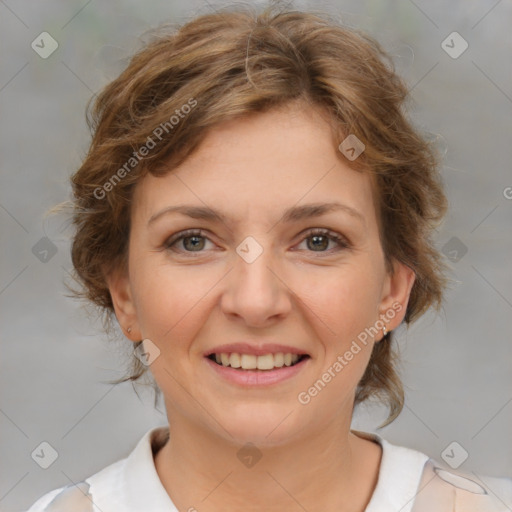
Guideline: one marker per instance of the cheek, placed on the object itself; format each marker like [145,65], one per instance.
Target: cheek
[341,309]
[169,298]
[345,299]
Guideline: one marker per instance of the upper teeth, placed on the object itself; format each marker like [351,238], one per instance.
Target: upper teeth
[252,362]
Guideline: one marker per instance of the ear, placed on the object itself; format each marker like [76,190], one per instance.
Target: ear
[395,295]
[124,306]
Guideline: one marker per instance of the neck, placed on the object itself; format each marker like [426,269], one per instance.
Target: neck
[207,472]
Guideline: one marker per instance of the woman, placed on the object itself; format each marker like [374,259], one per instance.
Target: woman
[257,213]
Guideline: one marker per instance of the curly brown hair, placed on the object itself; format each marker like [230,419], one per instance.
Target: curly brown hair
[242,61]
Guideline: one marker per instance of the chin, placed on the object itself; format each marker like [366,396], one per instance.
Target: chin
[264,424]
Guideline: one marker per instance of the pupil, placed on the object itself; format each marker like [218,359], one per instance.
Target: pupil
[315,238]
[195,244]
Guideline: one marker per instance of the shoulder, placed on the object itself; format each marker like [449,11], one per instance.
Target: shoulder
[411,481]
[109,488]
[442,490]
[82,496]
[71,497]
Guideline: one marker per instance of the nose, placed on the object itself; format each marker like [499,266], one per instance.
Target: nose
[256,289]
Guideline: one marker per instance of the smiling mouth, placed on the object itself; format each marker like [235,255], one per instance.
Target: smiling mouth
[265,362]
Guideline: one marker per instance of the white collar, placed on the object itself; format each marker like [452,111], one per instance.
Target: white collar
[400,473]
[133,484]
[144,490]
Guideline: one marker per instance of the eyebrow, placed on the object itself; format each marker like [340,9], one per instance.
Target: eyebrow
[293,214]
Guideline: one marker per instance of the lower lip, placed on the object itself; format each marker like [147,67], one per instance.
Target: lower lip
[256,378]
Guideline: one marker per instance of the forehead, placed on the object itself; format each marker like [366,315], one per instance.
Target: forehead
[260,166]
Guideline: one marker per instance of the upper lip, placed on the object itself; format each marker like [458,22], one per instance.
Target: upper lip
[254,349]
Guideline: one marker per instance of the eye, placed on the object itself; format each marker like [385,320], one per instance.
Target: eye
[320,239]
[193,241]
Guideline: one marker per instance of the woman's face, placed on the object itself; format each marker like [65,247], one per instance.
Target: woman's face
[259,278]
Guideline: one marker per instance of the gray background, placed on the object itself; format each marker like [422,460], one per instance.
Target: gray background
[457,366]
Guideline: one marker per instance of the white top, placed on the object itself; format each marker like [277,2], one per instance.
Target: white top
[409,481]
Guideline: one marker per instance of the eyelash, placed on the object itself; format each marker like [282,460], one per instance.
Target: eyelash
[342,242]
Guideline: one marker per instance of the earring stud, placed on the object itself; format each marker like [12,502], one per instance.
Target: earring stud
[384,331]
[129,329]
